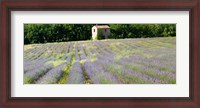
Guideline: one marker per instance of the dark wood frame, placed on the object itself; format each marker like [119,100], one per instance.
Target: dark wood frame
[90,5]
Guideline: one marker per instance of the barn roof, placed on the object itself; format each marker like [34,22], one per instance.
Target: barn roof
[102,26]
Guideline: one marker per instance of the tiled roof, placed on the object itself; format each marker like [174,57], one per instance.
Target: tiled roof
[102,26]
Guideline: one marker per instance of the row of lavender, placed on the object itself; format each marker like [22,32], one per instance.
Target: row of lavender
[127,61]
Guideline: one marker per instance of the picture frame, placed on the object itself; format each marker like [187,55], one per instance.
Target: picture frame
[88,5]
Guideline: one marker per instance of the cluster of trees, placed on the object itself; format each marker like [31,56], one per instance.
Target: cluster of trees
[142,30]
[42,33]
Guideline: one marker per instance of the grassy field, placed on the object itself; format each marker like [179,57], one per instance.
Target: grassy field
[121,61]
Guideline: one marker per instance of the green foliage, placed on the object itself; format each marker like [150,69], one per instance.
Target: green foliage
[27,80]
[42,33]
[173,81]
[56,63]
[121,31]
[66,71]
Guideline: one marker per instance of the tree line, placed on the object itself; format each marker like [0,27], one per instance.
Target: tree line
[43,33]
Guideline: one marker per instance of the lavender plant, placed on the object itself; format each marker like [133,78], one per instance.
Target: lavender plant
[32,75]
[128,61]
[52,76]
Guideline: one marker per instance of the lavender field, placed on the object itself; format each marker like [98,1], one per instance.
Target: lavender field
[121,61]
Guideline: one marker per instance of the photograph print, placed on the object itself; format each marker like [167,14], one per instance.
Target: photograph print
[99,54]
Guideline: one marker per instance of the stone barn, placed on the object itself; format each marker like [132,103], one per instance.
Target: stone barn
[100,32]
